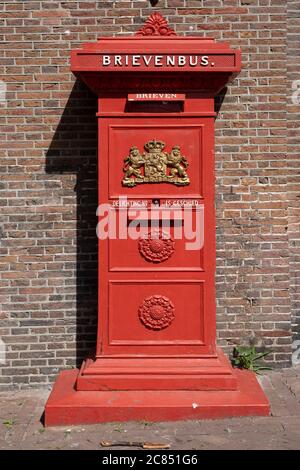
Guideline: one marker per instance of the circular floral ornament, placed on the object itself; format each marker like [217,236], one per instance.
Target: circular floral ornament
[156,246]
[157,312]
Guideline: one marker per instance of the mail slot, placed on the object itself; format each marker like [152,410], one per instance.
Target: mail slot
[164,97]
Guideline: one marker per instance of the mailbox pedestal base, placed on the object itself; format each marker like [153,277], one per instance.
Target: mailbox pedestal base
[67,406]
[157,373]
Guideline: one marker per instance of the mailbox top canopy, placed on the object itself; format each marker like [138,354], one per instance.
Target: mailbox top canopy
[123,63]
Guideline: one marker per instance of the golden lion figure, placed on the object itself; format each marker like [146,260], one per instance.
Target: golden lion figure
[132,164]
[178,164]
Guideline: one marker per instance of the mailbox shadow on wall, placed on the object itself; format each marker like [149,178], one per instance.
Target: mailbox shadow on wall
[72,159]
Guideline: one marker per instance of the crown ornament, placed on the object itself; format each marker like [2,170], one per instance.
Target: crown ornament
[155,146]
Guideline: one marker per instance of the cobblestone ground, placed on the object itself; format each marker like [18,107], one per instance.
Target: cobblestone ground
[20,426]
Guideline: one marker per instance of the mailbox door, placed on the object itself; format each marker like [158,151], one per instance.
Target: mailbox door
[156,297]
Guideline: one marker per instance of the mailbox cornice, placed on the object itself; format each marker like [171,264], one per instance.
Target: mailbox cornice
[198,64]
[155,49]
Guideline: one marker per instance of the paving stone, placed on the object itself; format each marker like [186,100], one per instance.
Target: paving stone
[23,410]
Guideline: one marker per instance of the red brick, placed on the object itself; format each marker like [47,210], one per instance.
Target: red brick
[59,13]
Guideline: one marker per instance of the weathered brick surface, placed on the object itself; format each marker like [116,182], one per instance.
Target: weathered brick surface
[293,108]
[48,145]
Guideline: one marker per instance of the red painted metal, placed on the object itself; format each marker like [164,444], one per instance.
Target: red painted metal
[136,348]
[156,25]
[67,406]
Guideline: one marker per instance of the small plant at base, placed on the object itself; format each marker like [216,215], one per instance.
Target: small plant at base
[119,428]
[8,423]
[246,357]
[146,423]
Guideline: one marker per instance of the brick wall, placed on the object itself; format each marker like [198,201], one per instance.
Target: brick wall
[48,178]
[293,109]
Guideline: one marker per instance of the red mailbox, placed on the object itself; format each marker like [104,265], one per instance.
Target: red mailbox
[156,355]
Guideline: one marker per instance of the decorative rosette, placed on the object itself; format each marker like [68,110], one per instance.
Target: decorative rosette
[156,312]
[156,247]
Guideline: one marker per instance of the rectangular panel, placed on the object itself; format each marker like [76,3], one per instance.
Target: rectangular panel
[162,62]
[156,313]
[159,249]
[150,166]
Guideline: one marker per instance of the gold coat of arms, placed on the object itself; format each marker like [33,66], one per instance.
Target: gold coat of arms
[155,166]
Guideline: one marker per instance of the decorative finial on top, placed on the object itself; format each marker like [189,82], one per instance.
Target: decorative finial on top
[156,25]
[154,2]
